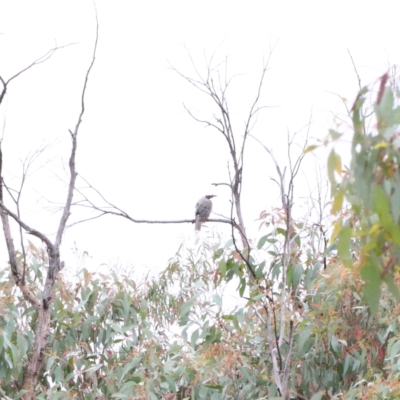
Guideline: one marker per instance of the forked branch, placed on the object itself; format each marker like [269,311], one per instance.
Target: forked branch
[216,87]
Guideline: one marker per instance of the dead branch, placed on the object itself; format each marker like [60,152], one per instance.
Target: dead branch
[36,360]
[26,165]
[273,349]
[112,209]
[38,61]
[10,247]
[27,228]
[222,184]
[245,257]
[216,86]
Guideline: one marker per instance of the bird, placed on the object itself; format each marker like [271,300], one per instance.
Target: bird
[203,210]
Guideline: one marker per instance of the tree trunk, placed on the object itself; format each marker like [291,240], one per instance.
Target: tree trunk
[36,361]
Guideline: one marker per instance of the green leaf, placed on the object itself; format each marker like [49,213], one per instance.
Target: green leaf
[337,203]
[347,363]
[372,291]
[297,273]
[228,244]
[49,363]
[289,275]
[262,241]
[344,253]
[394,289]
[242,286]
[334,134]
[194,338]
[143,309]
[218,253]
[116,327]
[215,387]
[258,296]
[185,309]
[133,364]
[394,351]
[281,231]
[222,268]
[304,336]
[171,384]
[203,392]
[15,354]
[310,148]
[127,387]
[22,344]
[334,165]
[381,203]
[217,299]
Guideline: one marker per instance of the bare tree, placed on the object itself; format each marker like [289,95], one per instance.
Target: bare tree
[215,85]
[41,305]
[280,329]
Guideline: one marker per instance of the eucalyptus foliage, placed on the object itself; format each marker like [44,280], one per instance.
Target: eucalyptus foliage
[366,196]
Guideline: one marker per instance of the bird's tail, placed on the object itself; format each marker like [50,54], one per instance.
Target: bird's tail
[197,224]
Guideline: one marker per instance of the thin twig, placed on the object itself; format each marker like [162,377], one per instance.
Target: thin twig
[38,61]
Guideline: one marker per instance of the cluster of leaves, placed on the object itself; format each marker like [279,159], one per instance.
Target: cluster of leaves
[341,347]
[366,196]
[112,338]
[172,337]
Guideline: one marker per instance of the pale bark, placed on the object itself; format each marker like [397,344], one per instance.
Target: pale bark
[42,306]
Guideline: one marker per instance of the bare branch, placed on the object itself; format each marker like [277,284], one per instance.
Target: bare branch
[85,220]
[273,350]
[38,61]
[288,360]
[222,184]
[10,247]
[281,182]
[112,209]
[26,164]
[30,230]
[355,69]
[254,108]
[42,332]
[207,123]
[74,134]
[245,257]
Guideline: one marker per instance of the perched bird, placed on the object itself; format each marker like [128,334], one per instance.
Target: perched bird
[203,210]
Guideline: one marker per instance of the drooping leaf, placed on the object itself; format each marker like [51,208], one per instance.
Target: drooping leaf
[310,148]
[262,241]
[372,288]
[344,252]
[334,165]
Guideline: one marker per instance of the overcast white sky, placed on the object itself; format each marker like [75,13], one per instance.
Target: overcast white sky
[137,145]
